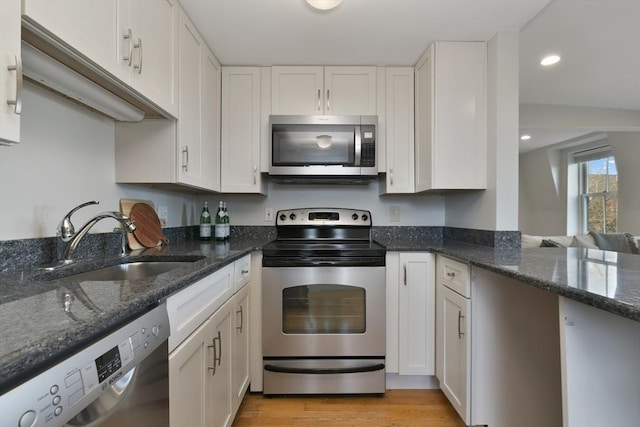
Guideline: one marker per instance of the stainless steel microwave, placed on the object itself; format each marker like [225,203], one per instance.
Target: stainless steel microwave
[323,146]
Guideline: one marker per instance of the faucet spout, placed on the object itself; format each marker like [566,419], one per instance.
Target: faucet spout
[73,242]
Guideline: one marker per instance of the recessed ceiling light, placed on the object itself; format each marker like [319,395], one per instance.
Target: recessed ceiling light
[525,137]
[550,60]
[324,4]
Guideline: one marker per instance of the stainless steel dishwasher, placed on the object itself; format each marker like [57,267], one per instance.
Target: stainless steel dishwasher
[120,380]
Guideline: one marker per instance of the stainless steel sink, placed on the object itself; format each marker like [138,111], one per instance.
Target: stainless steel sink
[129,271]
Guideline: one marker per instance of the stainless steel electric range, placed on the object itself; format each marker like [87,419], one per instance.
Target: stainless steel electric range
[323,304]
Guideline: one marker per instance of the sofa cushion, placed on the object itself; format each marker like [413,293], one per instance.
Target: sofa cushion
[583,241]
[618,242]
[548,243]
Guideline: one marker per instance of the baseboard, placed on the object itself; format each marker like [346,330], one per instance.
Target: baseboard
[395,381]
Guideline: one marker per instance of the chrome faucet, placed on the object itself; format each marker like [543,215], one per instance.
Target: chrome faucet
[68,234]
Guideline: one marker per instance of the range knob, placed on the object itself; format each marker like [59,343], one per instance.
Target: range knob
[354,216]
[283,217]
[365,217]
[292,216]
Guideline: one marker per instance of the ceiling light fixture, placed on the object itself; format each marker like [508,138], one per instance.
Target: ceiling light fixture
[525,137]
[324,4]
[550,60]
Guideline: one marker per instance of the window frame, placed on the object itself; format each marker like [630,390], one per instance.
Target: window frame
[581,159]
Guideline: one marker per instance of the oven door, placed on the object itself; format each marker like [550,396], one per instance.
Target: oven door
[323,312]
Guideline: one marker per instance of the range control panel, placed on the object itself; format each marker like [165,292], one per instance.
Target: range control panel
[324,216]
[55,396]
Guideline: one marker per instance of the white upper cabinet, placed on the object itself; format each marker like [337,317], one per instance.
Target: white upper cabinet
[154,73]
[451,117]
[323,90]
[133,40]
[10,72]
[399,126]
[241,131]
[186,151]
[199,124]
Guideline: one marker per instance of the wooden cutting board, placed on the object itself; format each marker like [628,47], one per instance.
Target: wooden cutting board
[148,230]
[126,205]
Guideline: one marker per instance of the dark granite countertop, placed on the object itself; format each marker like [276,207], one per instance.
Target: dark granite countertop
[603,279]
[37,332]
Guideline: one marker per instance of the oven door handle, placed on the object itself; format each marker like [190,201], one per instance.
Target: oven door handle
[349,370]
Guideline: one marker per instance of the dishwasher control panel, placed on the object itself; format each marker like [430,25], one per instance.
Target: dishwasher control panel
[55,396]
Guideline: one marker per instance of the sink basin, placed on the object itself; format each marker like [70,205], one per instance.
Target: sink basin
[129,271]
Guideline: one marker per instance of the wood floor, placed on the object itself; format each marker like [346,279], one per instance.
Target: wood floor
[423,408]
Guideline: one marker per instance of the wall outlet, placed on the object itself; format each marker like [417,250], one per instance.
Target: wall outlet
[163,215]
[268,214]
[394,213]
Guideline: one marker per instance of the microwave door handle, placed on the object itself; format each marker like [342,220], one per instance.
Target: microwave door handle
[358,146]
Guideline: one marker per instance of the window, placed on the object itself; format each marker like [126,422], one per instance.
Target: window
[598,183]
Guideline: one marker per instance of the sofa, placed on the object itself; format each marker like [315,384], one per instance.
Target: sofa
[617,242]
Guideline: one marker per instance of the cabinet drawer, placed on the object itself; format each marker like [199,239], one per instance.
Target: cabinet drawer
[190,307]
[242,272]
[454,275]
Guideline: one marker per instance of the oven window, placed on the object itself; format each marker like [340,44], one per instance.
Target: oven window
[323,309]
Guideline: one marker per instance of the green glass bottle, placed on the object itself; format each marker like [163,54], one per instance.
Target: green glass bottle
[219,223]
[205,223]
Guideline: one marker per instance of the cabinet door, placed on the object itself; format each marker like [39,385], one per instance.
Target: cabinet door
[10,79]
[92,28]
[424,99]
[350,90]
[240,373]
[199,124]
[297,90]
[400,131]
[451,117]
[453,344]
[189,379]
[155,66]
[416,314]
[240,163]
[220,401]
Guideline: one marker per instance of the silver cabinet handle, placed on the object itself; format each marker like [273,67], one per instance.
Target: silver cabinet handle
[219,355]
[451,274]
[328,103]
[129,56]
[319,105]
[239,328]
[255,175]
[245,272]
[185,159]
[460,316]
[391,176]
[212,368]
[138,46]
[405,274]
[17,103]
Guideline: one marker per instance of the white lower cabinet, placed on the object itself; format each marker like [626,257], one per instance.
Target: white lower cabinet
[209,369]
[453,336]
[410,313]
[240,374]
[200,375]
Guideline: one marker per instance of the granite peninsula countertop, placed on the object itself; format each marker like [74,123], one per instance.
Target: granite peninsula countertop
[36,332]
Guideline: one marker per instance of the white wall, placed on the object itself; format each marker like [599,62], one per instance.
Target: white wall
[496,208]
[66,157]
[415,209]
[543,196]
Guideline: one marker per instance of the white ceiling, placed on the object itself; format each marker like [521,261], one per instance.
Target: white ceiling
[599,41]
